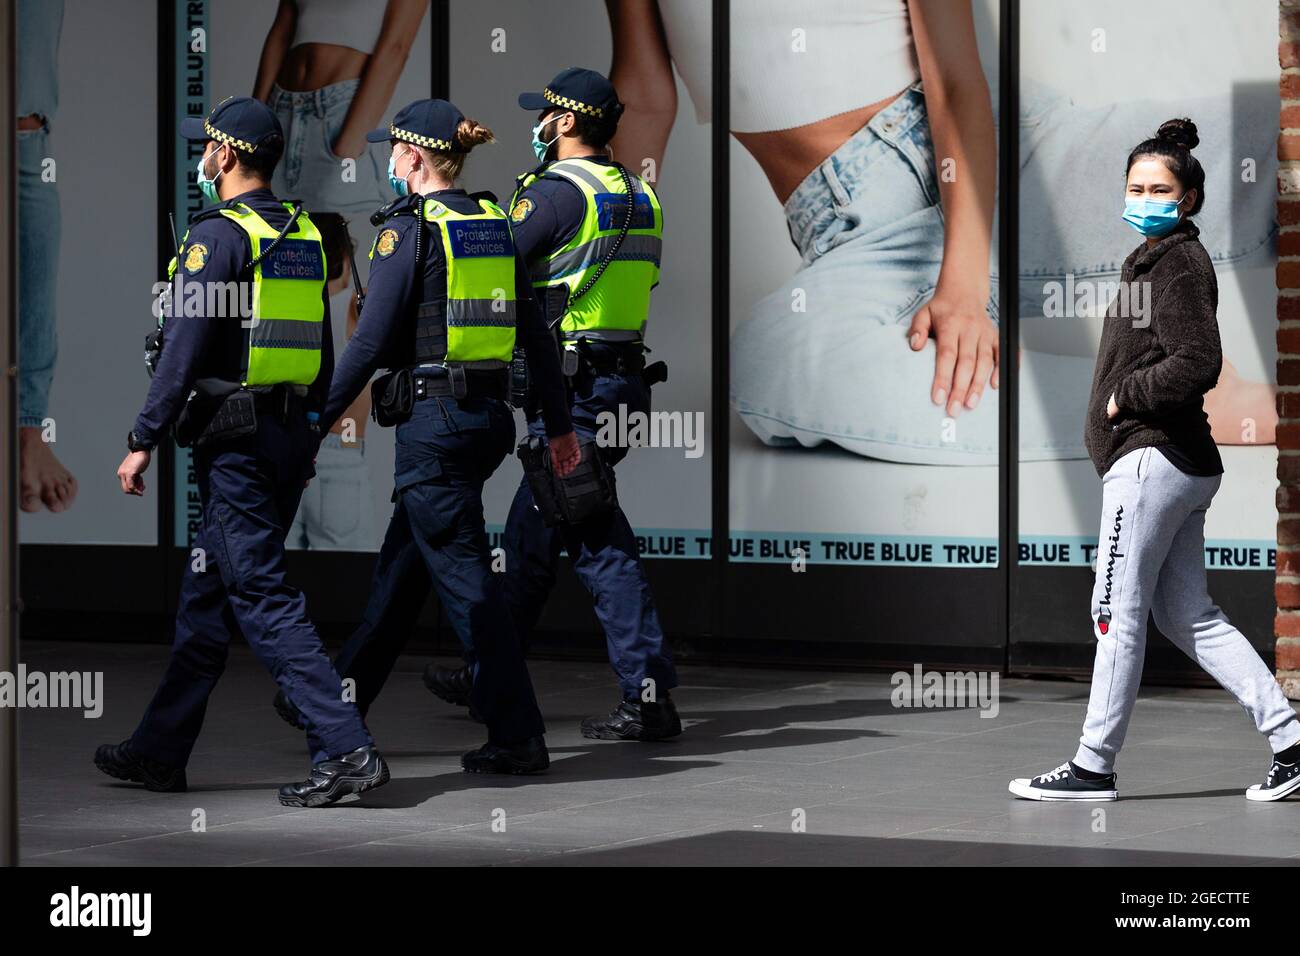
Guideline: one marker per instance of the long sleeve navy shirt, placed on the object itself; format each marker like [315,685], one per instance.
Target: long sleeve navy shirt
[385,333]
[199,345]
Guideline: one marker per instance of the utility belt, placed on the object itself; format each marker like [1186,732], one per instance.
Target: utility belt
[582,357]
[622,359]
[585,493]
[602,358]
[220,410]
[393,396]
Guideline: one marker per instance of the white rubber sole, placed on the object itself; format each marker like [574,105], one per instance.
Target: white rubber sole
[1023,788]
[1259,795]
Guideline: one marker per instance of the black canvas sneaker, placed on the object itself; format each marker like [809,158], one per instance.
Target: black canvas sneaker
[1283,779]
[1062,784]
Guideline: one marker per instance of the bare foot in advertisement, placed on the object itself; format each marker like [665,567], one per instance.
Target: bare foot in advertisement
[42,478]
[1241,412]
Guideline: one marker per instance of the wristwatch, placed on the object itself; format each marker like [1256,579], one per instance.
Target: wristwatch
[135,444]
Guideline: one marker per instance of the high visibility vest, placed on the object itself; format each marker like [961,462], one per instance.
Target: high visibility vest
[617,306]
[285,329]
[475,325]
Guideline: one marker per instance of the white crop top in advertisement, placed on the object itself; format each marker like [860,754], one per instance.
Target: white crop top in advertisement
[794,62]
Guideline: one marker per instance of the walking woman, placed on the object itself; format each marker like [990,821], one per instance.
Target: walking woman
[1149,438]
[448,296]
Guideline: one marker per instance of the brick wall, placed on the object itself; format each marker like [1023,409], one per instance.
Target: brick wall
[1287,624]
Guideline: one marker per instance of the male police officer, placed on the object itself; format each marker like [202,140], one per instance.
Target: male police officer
[590,232]
[243,389]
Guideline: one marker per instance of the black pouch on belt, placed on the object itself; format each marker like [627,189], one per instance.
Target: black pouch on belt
[537,471]
[217,411]
[587,491]
[392,397]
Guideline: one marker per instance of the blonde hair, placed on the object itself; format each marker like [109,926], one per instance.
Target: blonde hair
[469,133]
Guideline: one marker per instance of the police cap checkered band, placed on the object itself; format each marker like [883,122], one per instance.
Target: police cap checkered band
[428,142]
[220,137]
[580,90]
[428,123]
[572,104]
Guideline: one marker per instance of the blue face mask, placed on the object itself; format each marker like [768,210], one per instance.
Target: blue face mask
[400,186]
[208,186]
[541,147]
[1152,217]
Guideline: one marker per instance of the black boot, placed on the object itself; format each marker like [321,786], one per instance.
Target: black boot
[636,720]
[452,684]
[120,761]
[362,769]
[530,756]
[290,714]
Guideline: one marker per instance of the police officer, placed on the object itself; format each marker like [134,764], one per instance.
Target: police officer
[446,299]
[593,268]
[243,388]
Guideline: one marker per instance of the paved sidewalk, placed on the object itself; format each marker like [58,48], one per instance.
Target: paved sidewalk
[875,784]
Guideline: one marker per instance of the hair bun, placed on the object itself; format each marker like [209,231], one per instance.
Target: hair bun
[471,133]
[1181,132]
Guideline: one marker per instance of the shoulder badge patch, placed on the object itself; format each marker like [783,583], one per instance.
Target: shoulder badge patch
[196,258]
[523,209]
[387,242]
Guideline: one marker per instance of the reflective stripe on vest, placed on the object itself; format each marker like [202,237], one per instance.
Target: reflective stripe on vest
[477,326]
[284,332]
[618,305]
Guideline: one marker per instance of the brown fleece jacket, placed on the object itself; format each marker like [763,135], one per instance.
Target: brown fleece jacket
[1159,370]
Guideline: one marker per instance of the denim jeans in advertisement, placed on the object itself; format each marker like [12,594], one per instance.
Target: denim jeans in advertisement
[39,231]
[869,226]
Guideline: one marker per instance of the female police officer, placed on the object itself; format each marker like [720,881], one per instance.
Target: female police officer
[446,296]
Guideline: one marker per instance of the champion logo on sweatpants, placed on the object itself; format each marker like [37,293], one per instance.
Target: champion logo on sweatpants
[1104,614]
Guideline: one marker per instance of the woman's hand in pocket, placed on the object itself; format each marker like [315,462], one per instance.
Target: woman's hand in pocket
[348,146]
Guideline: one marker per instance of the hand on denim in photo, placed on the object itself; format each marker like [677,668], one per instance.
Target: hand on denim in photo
[869,227]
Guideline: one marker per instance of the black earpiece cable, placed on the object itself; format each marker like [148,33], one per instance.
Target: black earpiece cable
[618,243]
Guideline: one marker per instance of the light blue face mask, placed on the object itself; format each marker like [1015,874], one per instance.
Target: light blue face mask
[1152,217]
[208,186]
[540,147]
[400,186]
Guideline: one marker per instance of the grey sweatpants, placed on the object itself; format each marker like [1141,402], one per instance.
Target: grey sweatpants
[1151,557]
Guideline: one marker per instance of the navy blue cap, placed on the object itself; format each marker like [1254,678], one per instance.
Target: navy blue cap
[239,121]
[428,123]
[583,91]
